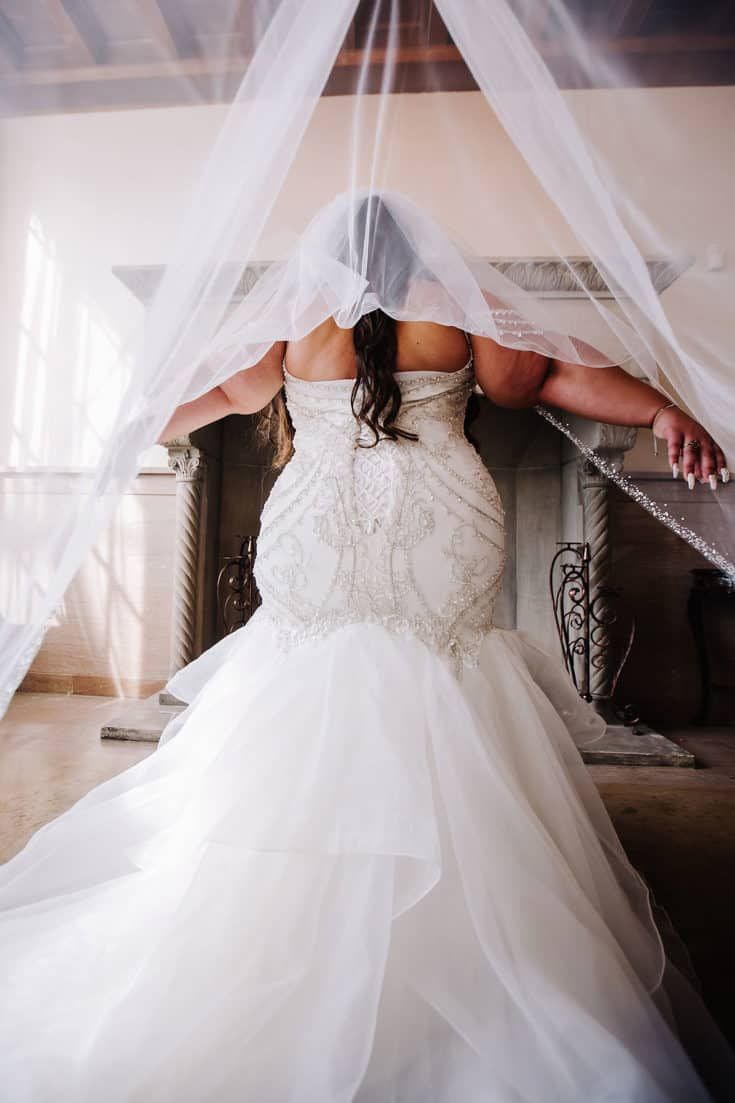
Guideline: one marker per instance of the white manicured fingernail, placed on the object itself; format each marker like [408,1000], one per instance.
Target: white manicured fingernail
[675,470]
[713,481]
[725,475]
[690,480]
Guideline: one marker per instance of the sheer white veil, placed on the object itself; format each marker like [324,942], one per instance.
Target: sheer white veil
[532,187]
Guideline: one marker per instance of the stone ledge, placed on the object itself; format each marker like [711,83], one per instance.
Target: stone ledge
[621,746]
[141,721]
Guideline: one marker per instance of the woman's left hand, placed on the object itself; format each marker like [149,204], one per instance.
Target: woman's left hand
[692,451]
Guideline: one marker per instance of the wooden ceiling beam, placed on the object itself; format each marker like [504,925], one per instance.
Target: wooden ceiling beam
[186,67]
[722,17]
[12,50]
[79,27]
[626,17]
[354,58]
[69,33]
[649,44]
[537,24]
[186,42]
[158,28]
[404,55]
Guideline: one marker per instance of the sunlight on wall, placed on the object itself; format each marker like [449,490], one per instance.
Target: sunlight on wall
[113,591]
[68,215]
[63,379]
[71,369]
[39,302]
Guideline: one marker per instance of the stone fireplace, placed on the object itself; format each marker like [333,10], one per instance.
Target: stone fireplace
[550,494]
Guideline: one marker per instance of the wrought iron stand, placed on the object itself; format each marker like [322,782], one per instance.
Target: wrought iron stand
[237,593]
[596,631]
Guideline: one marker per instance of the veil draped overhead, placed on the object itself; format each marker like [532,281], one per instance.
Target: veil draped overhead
[555,175]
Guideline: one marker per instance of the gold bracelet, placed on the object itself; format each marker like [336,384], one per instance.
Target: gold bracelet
[652,426]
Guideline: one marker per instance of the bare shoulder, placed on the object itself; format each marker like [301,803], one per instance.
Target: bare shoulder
[428,346]
[509,377]
[327,352]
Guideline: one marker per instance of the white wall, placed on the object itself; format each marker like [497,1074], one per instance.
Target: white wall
[81,193]
[110,635]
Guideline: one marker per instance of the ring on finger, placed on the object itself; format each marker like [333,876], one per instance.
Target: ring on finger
[692,446]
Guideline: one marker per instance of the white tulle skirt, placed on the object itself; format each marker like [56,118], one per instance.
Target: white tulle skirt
[344,874]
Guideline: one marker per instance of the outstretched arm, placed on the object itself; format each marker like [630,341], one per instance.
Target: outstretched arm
[612,395]
[246,392]
[517,378]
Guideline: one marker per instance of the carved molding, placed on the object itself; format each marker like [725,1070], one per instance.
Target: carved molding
[547,277]
[577,277]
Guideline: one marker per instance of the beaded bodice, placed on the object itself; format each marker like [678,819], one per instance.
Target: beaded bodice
[407,534]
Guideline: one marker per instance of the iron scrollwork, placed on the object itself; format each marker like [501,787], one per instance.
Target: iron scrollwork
[596,631]
[237,593]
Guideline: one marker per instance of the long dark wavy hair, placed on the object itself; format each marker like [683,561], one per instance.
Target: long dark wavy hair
[376,396]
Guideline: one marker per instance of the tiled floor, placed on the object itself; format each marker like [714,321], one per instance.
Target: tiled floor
[51,754]
[678,828]
[678,825]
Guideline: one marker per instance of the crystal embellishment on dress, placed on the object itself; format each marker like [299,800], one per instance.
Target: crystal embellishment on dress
[374,480]
[406,534]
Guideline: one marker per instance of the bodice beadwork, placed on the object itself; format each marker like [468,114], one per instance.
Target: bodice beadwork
[406,534]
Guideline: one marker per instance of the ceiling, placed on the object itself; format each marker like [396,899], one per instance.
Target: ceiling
[91,55]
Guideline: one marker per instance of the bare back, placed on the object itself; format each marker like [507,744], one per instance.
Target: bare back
[328,352]
[508,376]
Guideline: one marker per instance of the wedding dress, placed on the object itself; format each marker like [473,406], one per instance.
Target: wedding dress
[367,861]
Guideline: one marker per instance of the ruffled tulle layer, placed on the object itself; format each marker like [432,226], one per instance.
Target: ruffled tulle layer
[344,874]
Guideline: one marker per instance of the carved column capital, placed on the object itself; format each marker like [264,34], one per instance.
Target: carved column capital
[186,461]
[614,438]
[613,441]
[589,475]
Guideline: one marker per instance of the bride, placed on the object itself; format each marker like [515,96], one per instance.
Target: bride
[366,862]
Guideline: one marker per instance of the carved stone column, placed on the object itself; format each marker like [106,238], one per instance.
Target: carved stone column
[189,464]
[594,492]
[613,441]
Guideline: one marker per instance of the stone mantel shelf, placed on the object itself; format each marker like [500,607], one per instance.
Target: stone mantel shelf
[547,277]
